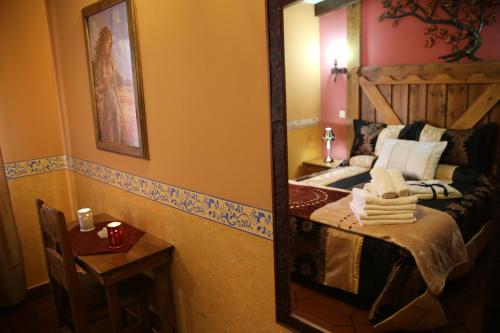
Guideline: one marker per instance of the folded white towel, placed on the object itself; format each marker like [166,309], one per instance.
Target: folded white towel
[410,207]
[365,197]
[383,184]
[374,212]
[361,215]
[383,210]
[378,222]
[398,180]
[433,189]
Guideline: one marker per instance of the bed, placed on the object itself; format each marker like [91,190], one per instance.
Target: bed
[451,98]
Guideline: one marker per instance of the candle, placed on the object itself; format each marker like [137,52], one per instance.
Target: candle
[116,235]
[85,219]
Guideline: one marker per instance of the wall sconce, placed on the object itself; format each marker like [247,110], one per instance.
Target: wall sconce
[328,136]
[337,70]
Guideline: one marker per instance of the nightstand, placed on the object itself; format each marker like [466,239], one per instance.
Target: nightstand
[318,164]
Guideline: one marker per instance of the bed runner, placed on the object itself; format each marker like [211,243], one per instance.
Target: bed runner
[434,240]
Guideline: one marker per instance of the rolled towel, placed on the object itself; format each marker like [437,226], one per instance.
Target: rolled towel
[411,207]
[366,198]
[361,215]
[383,183]
[399,182]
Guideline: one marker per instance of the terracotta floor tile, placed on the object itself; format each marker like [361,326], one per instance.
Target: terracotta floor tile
[325,313]
[293,302]
[44,309]
[364,329]
[305,293]
[360,317]
[336,304]
[344,329]
[295,286]
[308,316]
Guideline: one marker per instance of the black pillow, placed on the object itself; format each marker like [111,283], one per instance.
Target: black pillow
[473,147]
[365,137]
[411,132]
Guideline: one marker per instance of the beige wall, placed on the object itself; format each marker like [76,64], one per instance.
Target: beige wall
[29,117]
[29,121]
[302,71]
[301,34]
[304,144]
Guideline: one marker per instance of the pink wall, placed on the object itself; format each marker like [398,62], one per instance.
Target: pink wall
[333,27]
[381,45]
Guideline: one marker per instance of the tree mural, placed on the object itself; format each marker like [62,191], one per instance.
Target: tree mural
[457,23]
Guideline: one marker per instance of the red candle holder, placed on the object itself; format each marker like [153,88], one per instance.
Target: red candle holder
[116,235]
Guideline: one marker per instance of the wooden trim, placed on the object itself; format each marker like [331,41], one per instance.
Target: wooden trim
[354,45]
[477,78]
[379,102]
[279,158]
[328,6]
[479,108]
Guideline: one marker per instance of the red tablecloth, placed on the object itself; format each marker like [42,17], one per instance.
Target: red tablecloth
[87,243]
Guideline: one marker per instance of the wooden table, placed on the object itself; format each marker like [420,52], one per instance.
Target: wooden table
[148,254]
[319,164]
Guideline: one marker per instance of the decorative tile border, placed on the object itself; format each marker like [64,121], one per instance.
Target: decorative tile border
[34,167]
[300,123]
[245,218]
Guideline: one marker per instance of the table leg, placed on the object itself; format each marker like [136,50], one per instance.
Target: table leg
[114,307]
[164,294]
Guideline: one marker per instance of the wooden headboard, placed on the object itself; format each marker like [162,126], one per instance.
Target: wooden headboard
[445,95]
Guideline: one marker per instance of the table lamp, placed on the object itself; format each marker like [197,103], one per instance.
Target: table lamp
[328,136]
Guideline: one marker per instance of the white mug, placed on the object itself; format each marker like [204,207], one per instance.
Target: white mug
[86,219]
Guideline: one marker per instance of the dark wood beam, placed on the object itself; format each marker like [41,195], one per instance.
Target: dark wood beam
[328,6]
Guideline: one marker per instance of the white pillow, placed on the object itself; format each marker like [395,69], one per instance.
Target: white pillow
[364,161]
[414,159]
[431,133]
[390,132]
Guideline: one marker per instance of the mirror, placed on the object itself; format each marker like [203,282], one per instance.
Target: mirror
[314,52]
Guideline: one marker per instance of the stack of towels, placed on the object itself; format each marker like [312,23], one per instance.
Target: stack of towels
[386,200]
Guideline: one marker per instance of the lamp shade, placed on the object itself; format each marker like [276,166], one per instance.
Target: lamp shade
[328,135]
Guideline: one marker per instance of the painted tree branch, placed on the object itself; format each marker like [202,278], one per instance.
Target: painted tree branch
[457,23]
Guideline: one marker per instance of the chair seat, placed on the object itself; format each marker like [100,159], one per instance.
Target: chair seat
[94,295]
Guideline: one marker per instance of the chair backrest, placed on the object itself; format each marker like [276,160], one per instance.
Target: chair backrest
[60,262]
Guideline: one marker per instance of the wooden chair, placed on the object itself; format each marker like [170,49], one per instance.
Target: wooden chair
[80,299]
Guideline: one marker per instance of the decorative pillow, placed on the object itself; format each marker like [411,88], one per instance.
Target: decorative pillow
[390,132]
[431,133]
[364,161]
[411,132]
[365,137]
[414,159]
[457,174]
[471,147]
[445,172]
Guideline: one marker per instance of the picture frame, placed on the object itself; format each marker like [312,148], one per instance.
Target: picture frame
[115,77]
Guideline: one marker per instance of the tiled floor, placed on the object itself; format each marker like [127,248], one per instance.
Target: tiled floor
[462,301]
[37,314]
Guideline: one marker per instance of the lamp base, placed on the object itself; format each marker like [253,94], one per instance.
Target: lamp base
[328,159]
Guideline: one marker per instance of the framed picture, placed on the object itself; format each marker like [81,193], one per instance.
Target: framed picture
[115,77]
